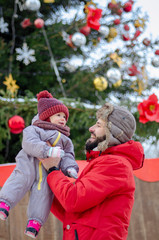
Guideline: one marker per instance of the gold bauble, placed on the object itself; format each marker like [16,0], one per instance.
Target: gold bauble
[112,32]
[137,24]
[100,83]
[118,83]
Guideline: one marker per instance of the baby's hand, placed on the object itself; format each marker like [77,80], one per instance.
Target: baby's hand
[56,152]
[72,172]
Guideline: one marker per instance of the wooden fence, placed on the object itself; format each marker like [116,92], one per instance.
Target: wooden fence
[144,223]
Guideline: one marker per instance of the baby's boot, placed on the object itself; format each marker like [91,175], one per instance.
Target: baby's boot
[4,210]
[32,228]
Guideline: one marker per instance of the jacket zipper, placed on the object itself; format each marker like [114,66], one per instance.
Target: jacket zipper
[76,235]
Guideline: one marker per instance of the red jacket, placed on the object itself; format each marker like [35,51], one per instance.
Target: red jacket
[99,204]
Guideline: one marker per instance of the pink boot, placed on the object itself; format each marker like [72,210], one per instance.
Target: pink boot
[32,229]
[4,210]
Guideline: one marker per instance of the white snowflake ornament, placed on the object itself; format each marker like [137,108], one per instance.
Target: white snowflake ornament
[25,54]
[3,25]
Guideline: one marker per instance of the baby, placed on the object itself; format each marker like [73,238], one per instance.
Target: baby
[48,126]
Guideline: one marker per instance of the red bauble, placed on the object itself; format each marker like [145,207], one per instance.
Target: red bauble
[117,21]
[126,27]
[111,5]
[16,124]
[85,30]
[119,11]
[157,52]
[39,23]
[127,7]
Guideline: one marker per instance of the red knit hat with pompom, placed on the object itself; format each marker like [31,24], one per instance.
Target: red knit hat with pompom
[48,106]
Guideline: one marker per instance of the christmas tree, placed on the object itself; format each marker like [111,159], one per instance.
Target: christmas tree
[85,53]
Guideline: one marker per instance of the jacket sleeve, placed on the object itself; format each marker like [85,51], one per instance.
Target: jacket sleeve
[32,143]
[102,181]
[68,160]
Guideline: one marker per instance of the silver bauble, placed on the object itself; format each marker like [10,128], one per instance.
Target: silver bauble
[114,75]
[78,39]
[33,5]
[104,30]
[155,61]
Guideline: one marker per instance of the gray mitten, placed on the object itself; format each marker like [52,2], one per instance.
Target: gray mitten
[72,172]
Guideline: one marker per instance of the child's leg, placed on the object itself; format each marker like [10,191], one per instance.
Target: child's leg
[40,201]
[19,182]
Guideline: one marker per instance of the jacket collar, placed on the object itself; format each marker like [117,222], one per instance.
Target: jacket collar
[92,154]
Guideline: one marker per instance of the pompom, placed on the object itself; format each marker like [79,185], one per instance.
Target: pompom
[44,94]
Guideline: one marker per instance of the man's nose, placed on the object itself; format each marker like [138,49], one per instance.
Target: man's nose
[91,129]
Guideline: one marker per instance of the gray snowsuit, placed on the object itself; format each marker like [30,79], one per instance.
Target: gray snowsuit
[29,174]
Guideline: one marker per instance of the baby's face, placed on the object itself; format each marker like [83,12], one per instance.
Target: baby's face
[59,119]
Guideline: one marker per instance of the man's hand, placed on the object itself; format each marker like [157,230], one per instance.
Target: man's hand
[50,162]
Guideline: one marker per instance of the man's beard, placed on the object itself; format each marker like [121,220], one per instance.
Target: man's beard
[91,145]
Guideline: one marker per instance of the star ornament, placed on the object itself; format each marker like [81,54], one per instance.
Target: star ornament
[116,59]
[12,87]
[138,86]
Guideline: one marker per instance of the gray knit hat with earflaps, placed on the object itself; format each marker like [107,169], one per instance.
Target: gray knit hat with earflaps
[120,125]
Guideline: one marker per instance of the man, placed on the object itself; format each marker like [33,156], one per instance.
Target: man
[98,205]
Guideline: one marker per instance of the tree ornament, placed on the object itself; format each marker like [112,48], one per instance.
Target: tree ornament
[88,4]
[3,26]
[118,83]
[39,23]
[112,4]
[115,8]
[33,5]
[138,86]
[119,11]
[104,30]
[139,23]
[100,83]
[146,42]
[127,7]
[113,75]
[149,109]
[16,124]
[117,21]
[157,52]
[68,39]
[25,54]
[116,59]
[49,1]
[12,87]
[85,30]
[26,23]
[126,27]
[78,39]
[93,18]
[155,61]
[137,33]
[126,37]
[133,71]
[112,32]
